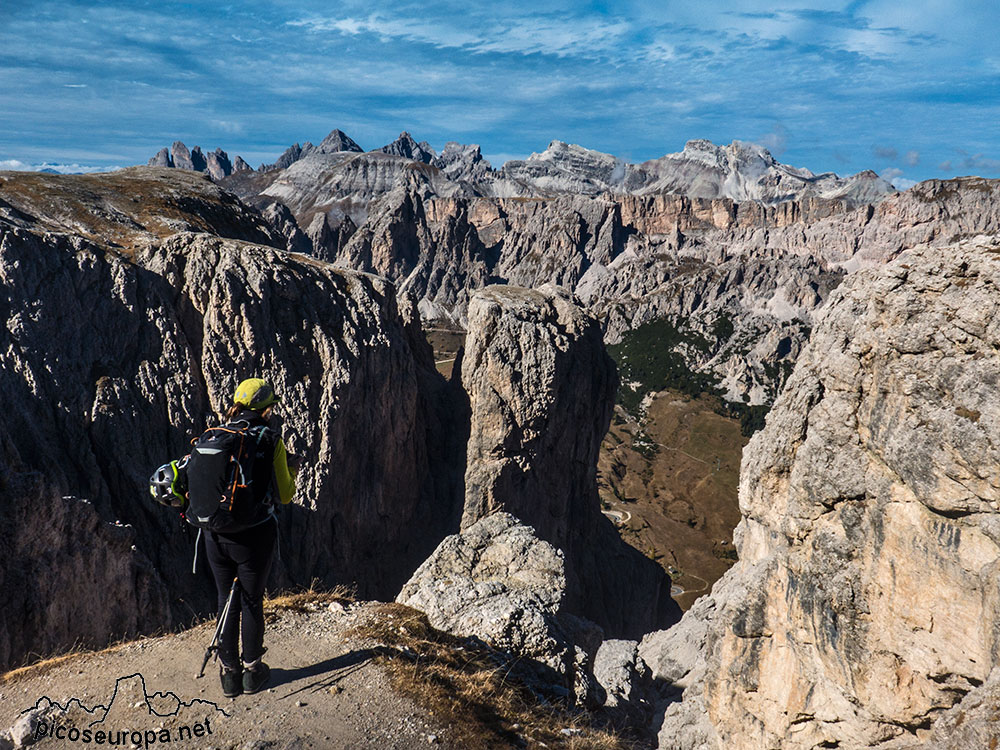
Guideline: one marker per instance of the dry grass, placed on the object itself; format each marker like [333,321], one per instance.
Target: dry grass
[309,599]
[467,687]
[47,664]
[39,667]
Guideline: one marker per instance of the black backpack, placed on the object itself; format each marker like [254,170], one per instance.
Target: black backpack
[229,477]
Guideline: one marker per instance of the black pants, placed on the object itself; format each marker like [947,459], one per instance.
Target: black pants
[246,555]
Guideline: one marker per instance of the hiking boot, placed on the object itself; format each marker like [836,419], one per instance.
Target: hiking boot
[255,679]
[232,682]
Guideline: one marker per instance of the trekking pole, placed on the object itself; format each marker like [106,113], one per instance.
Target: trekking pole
[214,645]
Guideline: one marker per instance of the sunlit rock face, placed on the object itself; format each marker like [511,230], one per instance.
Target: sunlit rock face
[864,603]
[541,389]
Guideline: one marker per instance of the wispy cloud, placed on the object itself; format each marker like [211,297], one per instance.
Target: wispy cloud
[816,82]
[16,165]
[531,35]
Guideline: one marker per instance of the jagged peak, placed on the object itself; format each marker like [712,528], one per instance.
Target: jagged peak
[408,148]
[338,141]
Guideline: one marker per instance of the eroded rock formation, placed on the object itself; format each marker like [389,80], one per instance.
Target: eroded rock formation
[864,603]
[541,389]
[216,164]
[499,582]
[112,361]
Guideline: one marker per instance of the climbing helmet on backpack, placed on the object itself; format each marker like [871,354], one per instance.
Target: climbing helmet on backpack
[168,486]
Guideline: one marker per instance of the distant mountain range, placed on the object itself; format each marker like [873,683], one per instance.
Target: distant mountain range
[713,238]
[739,171]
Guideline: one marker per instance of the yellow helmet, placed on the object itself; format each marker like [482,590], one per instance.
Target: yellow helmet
[255,393]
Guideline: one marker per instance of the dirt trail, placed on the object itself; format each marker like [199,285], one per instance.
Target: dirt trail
[325,692]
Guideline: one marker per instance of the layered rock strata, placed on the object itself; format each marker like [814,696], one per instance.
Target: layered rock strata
[541,389]
[864,603]
[764,270]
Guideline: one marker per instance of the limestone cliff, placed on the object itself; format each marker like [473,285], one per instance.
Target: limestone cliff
[541,389]
[864,603]
[112,360]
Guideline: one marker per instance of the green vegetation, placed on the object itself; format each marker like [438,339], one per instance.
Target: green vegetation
[648,361]
[751,417]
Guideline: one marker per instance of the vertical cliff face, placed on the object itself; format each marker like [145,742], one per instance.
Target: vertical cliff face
[111,364]
[864,603]
[541,389]
[69,577]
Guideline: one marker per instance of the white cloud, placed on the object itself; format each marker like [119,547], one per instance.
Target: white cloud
[229,126]
[895,176]
[981,163]
[775,141]
[528,35]
[912,158]
[17,165]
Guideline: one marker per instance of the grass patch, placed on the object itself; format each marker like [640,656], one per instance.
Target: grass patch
[310,599]
[467,686]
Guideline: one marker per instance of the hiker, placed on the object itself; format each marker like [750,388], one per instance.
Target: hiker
[245,554]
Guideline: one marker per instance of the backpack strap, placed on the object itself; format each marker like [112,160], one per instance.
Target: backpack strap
[194,562]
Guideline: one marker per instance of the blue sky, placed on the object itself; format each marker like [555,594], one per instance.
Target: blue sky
[910,89]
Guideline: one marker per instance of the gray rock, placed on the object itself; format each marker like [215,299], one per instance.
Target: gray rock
[279,217]
[24,731]
[408,148]
[241,166]
[621,672]
[289,156]
[218,165]
[540,389]
[181,156]
[336,142]
[463,163]
[858,611]
[162,159]
[127,357]
[498,582]
[198,161]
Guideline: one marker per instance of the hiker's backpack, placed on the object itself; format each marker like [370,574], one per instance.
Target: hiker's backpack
[229,477]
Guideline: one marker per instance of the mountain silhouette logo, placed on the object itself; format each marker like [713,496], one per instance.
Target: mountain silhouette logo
[130,704]
[159,704]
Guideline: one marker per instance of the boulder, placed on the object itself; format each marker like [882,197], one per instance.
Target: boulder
[621,673]
[498,582]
